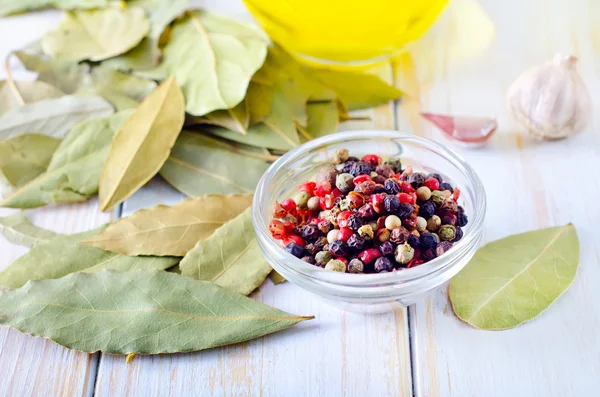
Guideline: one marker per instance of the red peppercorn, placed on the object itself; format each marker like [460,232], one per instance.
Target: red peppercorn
[408,198]
[410,223]
[289,227]
[342,218]
[337,193]
[341,258]
[414,262]
[456,194]
[277,229]
[288,204]
[323,189]
[360,179]
[369,255]
[308,187]
[367,187]
[381,222]
[278,210]
[327,202]
[293,239]
[377,202]
[372,159]
[397,176]
[406,187]
[432,184]
[344,234]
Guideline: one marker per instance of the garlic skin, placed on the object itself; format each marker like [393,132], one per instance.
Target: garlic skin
[551,100]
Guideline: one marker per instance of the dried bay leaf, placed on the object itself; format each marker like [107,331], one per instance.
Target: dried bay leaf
[144,312]
[276,278]
[74,170]
[142,144]
[170,230]
[29,91]
[213,58]
[230,257]
[200,165]
[64,75]
[96,34]
[24,157]
[8,7]
[18,229]
[514,279]
[258,98]
[52,117]
[64,255]
[323,119]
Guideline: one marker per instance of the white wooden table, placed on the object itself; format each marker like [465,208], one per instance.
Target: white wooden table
[423,351]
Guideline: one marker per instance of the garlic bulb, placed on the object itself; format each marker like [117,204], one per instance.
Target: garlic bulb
[550,100]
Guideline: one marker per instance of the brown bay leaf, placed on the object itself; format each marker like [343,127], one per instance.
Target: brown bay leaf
[18,229]
[213,58]
[28,91]
[52,117]
[514,279]
[142,144]
[230,258]
[64,255]
[170,230]
[96,34]
[201,165]
[138,312]
[25,157]
[73,172]
[8,7]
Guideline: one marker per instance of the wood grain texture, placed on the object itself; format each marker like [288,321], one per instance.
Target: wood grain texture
[528,185]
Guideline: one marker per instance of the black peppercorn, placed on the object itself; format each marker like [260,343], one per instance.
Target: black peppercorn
[367,212]
[361,168]
[446,186]
[427,209]
[391,204]
[416,180]
[427,241]
[461,219]
[356,242]
[338,248]
[384,170]
[435,175]
[413,241]
[310,232]
[442,247]
[295,249]
[458,234]
[429,254]
[392,186]
[355,222]
[312,249]
[379,188]
[399,235]
[309,259]
[348,165]
[383,264]
[386,248]
[405,210]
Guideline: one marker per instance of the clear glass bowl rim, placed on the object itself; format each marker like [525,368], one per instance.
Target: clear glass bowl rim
[261,215]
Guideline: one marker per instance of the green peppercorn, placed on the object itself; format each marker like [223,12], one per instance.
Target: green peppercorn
[423,193]
[313,204]
[366,232]
[374,226]
[438,197]
[322,257]
[340,156]
[404,253]
[447,232]
[434,223]
[336,265]
[344,206]
[356,266]
[421,224]
[344,182]
[392,222]
[301,199]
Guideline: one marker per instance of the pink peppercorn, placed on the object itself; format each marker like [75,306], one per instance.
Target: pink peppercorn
[432,184]
[323,189]
[372,159]
[360,179]
[344,234]
[308,187]
[377,202]
[288,205]
[369,255]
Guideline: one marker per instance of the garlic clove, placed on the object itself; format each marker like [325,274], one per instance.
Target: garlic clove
[551,101]
[471,130]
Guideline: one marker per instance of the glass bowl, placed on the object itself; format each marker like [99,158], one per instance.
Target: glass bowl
[371,293]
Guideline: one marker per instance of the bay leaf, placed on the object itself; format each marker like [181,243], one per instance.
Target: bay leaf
[123,90]
[8,7]
[200,165]
[18,229]
[170,230]
[514,279]
[143,312]
[74,170]
[65,255]
[29,91]
[142,144]
[52,117]
[96,34]
[213,59]
[358,90]
[25,157]
[230,257]
[276,278]
[258,98]
[67,76]
[323,119]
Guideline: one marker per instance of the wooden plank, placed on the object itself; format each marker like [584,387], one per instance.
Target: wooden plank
[529,185]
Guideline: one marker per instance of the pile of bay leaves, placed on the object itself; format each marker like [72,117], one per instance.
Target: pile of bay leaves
[126,91]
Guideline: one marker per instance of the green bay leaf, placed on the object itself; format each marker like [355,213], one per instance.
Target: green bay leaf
[230,258]
[96,34]
[514,279]
[142,144]
[8,7]
[323,119]
[28,91]
[170,230]
[65,75]
[276,278]
[201,165]
[64,255]
[145,312]
[213,59]
[25,157]
[52,117]
[74,170]
[18,229]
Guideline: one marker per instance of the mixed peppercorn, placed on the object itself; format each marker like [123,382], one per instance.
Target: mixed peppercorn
[369,216]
